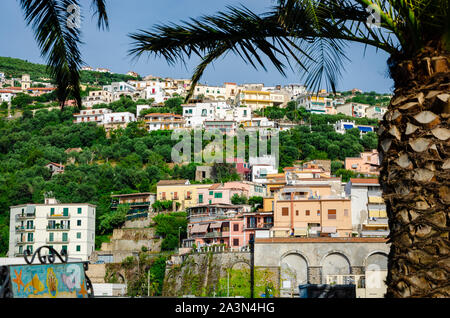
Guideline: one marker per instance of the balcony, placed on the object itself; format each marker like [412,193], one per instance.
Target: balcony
[375,233]
[25,242]
[377,221]
[213,234]
[58,216]
[57,241]
[25,216]
[25,228]
[58,227]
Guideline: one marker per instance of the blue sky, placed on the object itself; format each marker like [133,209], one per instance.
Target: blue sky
[367,70]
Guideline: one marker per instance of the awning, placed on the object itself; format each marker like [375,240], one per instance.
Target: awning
[328,229]
[215,225]
[303,231]
[199,228]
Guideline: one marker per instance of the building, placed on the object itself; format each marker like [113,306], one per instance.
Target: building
[311,207]
[55,168]
[6,95]
[261,167]
[342,126]
[352,109]
[369,217]
[117,120]
[376,112]
[119,87]
[63,226]
[317,104]
[25,82]
[140,203]
[219,223]
[367,163]
[255,99]
[163,121]
[91,115]
[222,193]
[227,127]
[179,191]
[98,97]
[133,74]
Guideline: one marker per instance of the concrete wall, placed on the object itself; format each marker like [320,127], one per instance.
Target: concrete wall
[310,260]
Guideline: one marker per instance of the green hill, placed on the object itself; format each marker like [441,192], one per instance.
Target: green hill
[13,67]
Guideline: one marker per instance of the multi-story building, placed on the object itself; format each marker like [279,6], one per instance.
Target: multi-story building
[6,95]
[367,163]
[91,115]
[261,167]
[255,99]
[369,217]
[179,191]
[376,112]
[164,121]
[63,226]
[119,87]
[316,104]
[98,97]
[352,109]
[222,193]
[311,209]
[117,120]
[140,203]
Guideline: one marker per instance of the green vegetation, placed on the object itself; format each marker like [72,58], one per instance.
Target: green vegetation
[370,98]
[169,226]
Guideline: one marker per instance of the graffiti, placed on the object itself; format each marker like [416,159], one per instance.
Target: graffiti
[49,281]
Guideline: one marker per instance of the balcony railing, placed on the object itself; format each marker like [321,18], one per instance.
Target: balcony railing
[58,228]
[25,228]
[58,216]
[25,241]
[213,234]
[26,216]
[376,221]
[57,241]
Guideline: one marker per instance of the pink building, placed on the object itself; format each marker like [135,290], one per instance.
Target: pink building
[222,193]
[367,163]
[242,167]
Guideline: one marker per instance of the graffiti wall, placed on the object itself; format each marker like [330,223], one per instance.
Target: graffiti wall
[49,281]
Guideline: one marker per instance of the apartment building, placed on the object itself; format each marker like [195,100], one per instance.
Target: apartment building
[369,217]
[6,95]
[352,109]
[117,120]
[119,87]
[63,226]
[222,193]
[316,104]
[255,99]
[91,115]
[164,121]
[98,97]
[179,191]
[376,112]
[367,163]
[311,210]
[140,203]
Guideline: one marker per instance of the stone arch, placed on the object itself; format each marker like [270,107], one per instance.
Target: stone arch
[378,258]
[239,264]
[335,263]
[293,270]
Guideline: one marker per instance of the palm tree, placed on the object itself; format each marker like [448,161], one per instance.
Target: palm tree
[414,134]
[58,37]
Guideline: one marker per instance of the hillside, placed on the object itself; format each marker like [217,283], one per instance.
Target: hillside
[13,67]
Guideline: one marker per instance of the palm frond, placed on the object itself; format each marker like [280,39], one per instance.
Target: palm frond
[59,41]
[99,8]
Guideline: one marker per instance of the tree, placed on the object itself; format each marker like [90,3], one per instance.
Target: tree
[59,40]
[413,134]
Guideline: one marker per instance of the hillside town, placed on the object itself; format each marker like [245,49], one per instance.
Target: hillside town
[283,211]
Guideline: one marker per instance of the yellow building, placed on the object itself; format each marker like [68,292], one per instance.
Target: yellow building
[255,99]
[180,191]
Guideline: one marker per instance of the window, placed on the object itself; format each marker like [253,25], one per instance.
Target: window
[307,212]
[296,212]
[235,227]
[30,237]
[78,248]
[64,248]
[318,212]
[285,211]
[52,211]
[200,198]
[64,237]
[78,235]
[331,214]
[235,242]
[66,211]
[218,195]
[79,210]
[51,237]
[163,196]
[345,212]
[211,192]
[79,222]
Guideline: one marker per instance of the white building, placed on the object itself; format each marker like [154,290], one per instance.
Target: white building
[262,166]
[163,121]
[376,112]
[63,226]
[197,114]
[91,115]
[342,126]
[155,90]
[6,96]
[119,87]
[369,216]
[352,109]
[98,97]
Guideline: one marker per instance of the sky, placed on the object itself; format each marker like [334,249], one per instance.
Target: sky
[367,69]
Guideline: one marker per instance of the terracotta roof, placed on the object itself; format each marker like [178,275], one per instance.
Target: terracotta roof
[55,164]
[171,182]
[215,186]
[362,180]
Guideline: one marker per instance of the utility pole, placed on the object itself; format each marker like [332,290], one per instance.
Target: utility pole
[252,266]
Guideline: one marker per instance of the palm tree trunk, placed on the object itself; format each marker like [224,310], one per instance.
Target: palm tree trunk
[415,176]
